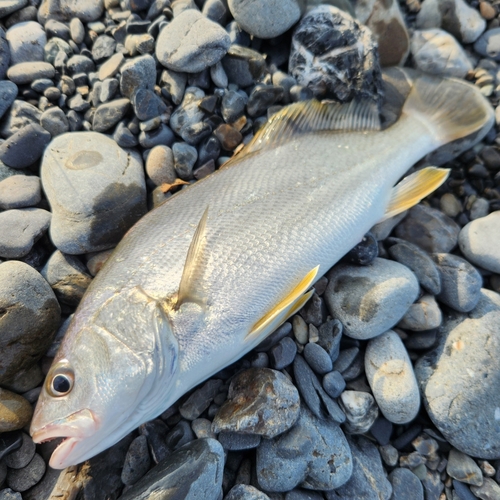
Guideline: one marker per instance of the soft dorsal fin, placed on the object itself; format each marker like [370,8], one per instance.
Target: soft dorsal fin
[191,287]
[314,116]
[412,189]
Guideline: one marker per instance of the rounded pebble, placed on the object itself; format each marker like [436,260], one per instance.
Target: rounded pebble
[317,358]
[20,191]
[15,411]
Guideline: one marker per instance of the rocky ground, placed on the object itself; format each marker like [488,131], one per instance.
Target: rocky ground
[386,385]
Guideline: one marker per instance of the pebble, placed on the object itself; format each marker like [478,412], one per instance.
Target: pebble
[10,442]
[26,42]
[20,191]
[21,457]
[200,399]
[390,456]
[452,379]
[463,468]
[300,330]
[313,394]
[20,115]
[202,460]
[317,358]
[260,401]
[147,105]
[185,157]
[161,135]
[455,16]
[405,485]
[243,65]
[368,480]
[371,299]
[137,73]
[245,492]
[77,30]
[450,205]
[174,84]
[314,453]
[15,411]
[137,461]
[283,353]
[334,384]
[85,10]
[27,72]
[488,44]
[436,52]
[23,479]
[360,411]
[10,6]
[422,315]
[262,97]
[460,282]
[429,229]
[111,67]
[54,121]
[107,115]
[330,335]
[174,51]
[327,38]
[234,441]
[381,430]
[8,92]
[489,490]
[160,165]
[96,191]
[228,136]
[364,252]
[54,47]
[479,241]
[390,374]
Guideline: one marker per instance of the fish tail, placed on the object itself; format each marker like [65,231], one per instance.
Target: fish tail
[450,108]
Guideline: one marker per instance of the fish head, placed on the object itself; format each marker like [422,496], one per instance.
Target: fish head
[99,387]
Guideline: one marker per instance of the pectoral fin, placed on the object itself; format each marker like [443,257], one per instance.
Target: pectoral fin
[414,188]
[284,309]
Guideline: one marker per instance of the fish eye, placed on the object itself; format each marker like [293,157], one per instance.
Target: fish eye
[60,381]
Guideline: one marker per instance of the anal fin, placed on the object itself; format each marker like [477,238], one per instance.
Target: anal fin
[414,188]
[284,309]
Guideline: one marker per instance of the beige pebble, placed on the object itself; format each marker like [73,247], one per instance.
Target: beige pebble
[15,411]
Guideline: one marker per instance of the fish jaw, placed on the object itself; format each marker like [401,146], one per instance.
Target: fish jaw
[74,428]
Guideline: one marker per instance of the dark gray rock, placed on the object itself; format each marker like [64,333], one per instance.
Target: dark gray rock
[313,454]
[368,480]
[283,353]
[103,47]
[371,299]
[273,339]
[262,97]
[80,64]
[57,29]
[458,381]
[21,457]
[21,228]
[260,401]
[10,6]
[381,430]
[124,137]
[243,66]
[423,315]
[489,490]
[360,411]
[96,190]
[460,282]
[364,252]
[23,479]
[326,39]
[52,49]
[194,472]
[318,401]
[317,358]
[4,54]
[107,115]
[330,334]
[20,191]
[185,157]
[245,492]
[462,491]
[137,461]
[180,435]
[173,85]
[334,384]
[418,261]
[200,399]
[234,441]
[405,485]
[137,73]
[108,89]
[174,50]
[156,432]
[8,92]
[19,116]
[24,147]
[162,135]
[147,104]
[10,442]
[233,106]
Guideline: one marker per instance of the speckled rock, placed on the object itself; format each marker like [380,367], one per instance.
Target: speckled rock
[137,73]
[26,42]
[15,411]
[137,461]
[371,299]
[422,315]
[405,485]
[20,191]
[479,241]
[463,468]
[260,401]
[360,411]
[459,382]
[390,374]
[23,479]
[64,10]
[96,191]
[245,492]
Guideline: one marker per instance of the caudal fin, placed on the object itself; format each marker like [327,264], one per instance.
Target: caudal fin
[450,108]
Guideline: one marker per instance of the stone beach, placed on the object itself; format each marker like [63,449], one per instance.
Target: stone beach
[386,384]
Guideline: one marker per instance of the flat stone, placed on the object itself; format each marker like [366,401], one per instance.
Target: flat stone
[175,52]
[202,461]
[479,241]
[137,73]
[80,64]
[137,461]
[27,72]
[260,401]
[405,485]
[96,191]
[463,468]
[20,191]
[390,374]
[234,441]
[360,411]
[200,399]
[25,147]
[313,454]
[107,115]
[317,358]
[24,479]
[21,457]
[65,10]
[369,300]
[15,411]
[26,42]
[21,228]
[423,315]
[458,380]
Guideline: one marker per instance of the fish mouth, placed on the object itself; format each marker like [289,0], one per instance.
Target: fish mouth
[72,429]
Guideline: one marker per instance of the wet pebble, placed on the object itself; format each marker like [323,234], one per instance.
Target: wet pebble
[20,191]
[15,411]
[137,461]
[370,300]
[260,401]
[360,411]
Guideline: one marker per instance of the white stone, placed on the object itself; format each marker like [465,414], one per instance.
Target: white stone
[26,42]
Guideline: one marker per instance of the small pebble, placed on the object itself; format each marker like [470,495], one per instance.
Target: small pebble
[317,358]
[360,411]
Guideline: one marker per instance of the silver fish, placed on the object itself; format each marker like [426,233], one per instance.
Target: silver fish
[205,277]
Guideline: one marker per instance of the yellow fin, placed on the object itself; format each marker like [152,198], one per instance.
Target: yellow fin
[414,188]
[191,286]
[285,308]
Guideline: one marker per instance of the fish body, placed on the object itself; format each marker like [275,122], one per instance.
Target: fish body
[202,279]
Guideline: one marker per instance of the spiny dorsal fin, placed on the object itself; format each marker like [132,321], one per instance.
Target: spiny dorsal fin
[191,287]
[414,188]
[314,116]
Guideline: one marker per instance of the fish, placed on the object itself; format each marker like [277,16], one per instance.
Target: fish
[202,279]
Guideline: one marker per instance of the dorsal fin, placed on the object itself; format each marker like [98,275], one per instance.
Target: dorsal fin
[314,116]
[191,288]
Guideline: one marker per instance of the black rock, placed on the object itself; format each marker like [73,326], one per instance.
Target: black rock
[9,442]
[137,461]
[233,106]
[283,353]
[200,399]
[243,66]
[156,433]
[180,435]
[234,441]
[330,334]
[381,430]
[209,149]
[365,251]
[262,97]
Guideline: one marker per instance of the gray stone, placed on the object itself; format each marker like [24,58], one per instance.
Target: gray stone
[147,104]
[137,461]
[20,191]
[52,49]
[162,135]
[77,30]
[271,340]
[160,165]
[313,454]
[107,115]
[54,121]
[200,399]
[360,411]
[96,191]
[25,147]
[137,73]
[405,485]
[26,42]
[390,374]
[21,228]
[334,384]
[479,241]
[243,66]
[262,97]
[489,490]
[80,64]
[429,229]
[20,115]
[202,461]
[317,358]
[21,457]
[459,382]
[368,480]
[64,10]
[244,492]
[327,39]
[283,353]
[489,44]
[10,6]
[8,92]
[7,493]
[27,72]
[419,262]
[103,47]
[4,54]
[369,300]
[185,157]
[234,441]
[460,282]
[260,401]
[422,315]
[462,468]
[174,50]
[24,479]
[202,427]
[174,84]
[330,335]
[111,67]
